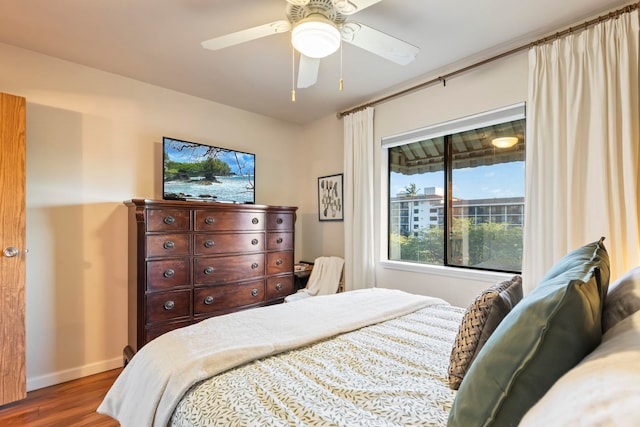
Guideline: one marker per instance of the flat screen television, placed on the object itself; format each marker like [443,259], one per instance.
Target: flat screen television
[193,171]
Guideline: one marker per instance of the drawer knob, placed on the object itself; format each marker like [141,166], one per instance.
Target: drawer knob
[279,240]
[169,273]
[254,242]
[279,287]
[209,244]
[208,300]
[168,220]
[169,244]
[279,221]
[254,292]
[209,270]
[255,221]
[209,220]
[279,261]
[169,305]
[254,265]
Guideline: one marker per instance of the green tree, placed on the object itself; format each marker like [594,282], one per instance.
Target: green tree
[496,246]
[411,190]
[212,167]
[489,245]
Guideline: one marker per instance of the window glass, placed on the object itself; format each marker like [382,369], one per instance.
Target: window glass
[419,159]
[473,197]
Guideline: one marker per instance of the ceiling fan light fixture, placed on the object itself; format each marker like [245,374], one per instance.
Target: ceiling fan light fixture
[504,142]
[316,37]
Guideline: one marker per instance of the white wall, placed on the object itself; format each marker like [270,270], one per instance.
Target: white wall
[323,155]
[497,84]
[93,141]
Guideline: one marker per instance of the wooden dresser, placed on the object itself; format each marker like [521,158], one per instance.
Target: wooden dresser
[193,260]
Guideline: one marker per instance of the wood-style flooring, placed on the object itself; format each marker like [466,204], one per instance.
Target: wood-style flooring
[68,404]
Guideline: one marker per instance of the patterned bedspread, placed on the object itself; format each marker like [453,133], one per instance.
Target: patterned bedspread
[389,374]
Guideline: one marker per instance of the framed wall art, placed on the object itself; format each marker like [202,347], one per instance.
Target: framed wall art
[330,193]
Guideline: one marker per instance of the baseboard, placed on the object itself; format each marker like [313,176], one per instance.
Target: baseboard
[54,378]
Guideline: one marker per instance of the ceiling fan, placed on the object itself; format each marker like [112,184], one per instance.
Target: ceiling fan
[317,29]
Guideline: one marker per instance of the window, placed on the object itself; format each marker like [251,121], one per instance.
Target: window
[476,189]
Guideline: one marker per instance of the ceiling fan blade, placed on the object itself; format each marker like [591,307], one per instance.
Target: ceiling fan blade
[379,43]
[246,35]
[298,2]
[308,71]
[349,7]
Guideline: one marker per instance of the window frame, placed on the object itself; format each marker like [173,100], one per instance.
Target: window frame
[492,117]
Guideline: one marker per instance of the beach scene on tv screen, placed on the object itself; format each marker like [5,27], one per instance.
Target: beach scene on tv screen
[201,172]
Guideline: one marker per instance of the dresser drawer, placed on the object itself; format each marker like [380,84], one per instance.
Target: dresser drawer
[168,305]
[219,243]
[279,287]
[277,241]
[210,271]
[280,221]
[168,245]
[167,274]
[279,262]
[223,297]
[213,220]
[168,220]
[153,332]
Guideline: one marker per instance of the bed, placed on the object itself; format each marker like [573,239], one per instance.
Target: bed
[388,358]
[317,361]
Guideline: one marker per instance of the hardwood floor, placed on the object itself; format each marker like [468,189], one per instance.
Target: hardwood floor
[69,404]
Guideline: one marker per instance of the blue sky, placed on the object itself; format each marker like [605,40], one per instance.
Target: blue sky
[480,182]
[198,151]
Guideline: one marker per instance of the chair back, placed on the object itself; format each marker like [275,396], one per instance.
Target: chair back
[326,276]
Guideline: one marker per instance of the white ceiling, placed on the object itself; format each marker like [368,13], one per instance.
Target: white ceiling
[158,41]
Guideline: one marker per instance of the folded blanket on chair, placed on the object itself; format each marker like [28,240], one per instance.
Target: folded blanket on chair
[325,276]
[323,280]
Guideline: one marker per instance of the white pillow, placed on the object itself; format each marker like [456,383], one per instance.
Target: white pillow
[602,390]
[623,298]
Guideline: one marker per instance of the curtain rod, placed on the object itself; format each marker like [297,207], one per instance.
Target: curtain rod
[443,79]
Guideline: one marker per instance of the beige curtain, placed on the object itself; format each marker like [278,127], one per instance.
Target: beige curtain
[359,261]
[582,166]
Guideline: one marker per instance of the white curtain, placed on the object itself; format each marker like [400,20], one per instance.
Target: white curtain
[582,164]
[359,265]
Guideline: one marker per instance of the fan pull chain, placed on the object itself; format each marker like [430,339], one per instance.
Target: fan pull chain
[341,80]
[293,74]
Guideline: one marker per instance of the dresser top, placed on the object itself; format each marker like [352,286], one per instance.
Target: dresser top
[203,204]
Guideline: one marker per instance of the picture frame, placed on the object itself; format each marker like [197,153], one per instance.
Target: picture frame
[330,198]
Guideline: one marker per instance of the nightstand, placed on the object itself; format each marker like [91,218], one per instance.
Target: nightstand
[301,272]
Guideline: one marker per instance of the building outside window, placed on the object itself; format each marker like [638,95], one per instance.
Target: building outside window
[471,192]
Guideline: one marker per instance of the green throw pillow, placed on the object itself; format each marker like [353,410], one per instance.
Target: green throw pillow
[544,336]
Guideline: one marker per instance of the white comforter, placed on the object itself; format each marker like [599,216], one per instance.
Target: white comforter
[150,387]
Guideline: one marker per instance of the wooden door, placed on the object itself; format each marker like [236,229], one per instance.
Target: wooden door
[12,244]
